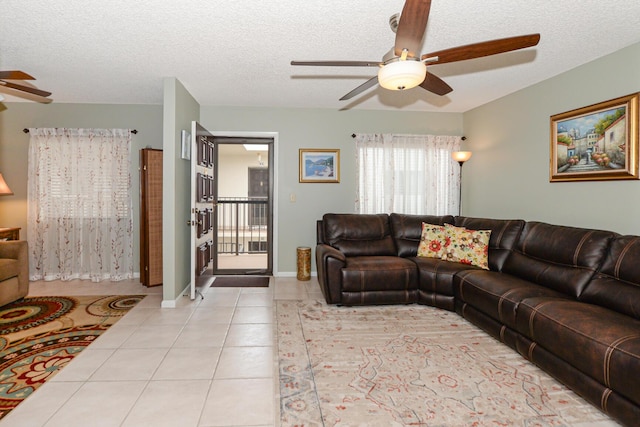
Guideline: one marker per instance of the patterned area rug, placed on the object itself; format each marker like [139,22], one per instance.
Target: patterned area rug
[39,336]
[410,366]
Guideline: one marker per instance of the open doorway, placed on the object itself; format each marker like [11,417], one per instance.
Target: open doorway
[244,220]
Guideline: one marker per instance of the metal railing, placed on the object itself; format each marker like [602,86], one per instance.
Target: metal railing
[242,225]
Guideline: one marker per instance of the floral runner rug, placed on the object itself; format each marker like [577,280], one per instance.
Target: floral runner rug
[40,335]
[410,366]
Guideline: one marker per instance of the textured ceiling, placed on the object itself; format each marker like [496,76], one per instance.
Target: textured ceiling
[237,53]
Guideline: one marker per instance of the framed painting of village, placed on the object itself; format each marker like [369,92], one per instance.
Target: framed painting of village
[598,142]
[317,165]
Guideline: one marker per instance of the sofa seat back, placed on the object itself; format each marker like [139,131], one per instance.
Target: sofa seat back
[617,284]
[407,230]
[359,234]
[504,236]
[558,257]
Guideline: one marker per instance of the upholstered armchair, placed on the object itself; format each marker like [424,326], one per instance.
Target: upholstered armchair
[14,270]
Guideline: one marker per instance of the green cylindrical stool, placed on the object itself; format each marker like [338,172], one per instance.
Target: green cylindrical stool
[304,263]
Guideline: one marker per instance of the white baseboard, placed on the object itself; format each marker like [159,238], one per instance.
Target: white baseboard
[173,303]
[292,274]
[168,304]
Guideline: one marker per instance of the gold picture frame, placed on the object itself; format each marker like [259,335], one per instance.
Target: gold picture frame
[319,165]
[597,142]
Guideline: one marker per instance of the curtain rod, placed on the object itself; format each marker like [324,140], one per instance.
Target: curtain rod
[134,131]
[464,138]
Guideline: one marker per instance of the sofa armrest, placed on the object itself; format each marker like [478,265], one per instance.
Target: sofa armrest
[13,249]
[330,251]
[329,263]
[18,250]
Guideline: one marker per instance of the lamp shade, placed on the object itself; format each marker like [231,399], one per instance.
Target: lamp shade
[461,156]
[4,188]
[400,75]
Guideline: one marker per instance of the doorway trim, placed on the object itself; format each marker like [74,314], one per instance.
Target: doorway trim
[274,137]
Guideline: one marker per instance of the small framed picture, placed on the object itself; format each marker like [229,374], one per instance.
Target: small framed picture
[318,165]
[598,142]
[185,152]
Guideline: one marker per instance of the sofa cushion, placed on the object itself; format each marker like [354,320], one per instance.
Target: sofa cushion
[467,246]
[435,281]
[433,241]
[504,236]
[617,284]
[497,294]
[407,230]
[9,268]
[599,342]
[558,257]
[359,234]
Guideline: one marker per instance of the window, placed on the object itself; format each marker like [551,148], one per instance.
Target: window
[79,204]
[412,174]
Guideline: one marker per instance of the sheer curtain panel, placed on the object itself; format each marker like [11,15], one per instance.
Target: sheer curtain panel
[79,204]
[411,174]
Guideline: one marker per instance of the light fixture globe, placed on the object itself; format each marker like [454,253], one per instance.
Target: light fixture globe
[402,74]
[461,156]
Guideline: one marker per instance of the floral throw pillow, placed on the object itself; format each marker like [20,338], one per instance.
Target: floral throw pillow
[468,246]
[433,241]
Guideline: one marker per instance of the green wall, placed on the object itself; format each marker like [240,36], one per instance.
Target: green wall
[180,109]
[160,126]
[14,145]
[508,175]
[317,128]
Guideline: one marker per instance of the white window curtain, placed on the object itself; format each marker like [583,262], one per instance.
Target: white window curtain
[412,174]
[79,204]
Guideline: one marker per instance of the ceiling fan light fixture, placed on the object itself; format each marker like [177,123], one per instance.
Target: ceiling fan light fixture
[401,75]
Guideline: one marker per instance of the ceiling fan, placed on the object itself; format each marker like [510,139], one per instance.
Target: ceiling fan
[403,67]
[22,90]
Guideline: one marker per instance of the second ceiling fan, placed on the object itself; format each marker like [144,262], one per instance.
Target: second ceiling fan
[403,67]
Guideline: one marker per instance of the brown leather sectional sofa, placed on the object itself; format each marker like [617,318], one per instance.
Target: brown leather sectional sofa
[566,298]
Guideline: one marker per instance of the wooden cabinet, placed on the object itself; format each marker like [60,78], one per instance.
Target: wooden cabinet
[151,217]
[10,233]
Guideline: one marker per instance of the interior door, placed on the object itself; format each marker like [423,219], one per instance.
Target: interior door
[203,207]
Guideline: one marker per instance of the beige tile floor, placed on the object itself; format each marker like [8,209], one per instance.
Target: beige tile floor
[208,362]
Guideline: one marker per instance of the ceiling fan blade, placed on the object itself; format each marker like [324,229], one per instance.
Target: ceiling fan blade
[435,84]
[411,28]
[25,88]
[478,50]
[364,86]
[339,63]
[15,75]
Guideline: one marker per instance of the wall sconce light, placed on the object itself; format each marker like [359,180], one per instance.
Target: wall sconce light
[460,157]
[4,188]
